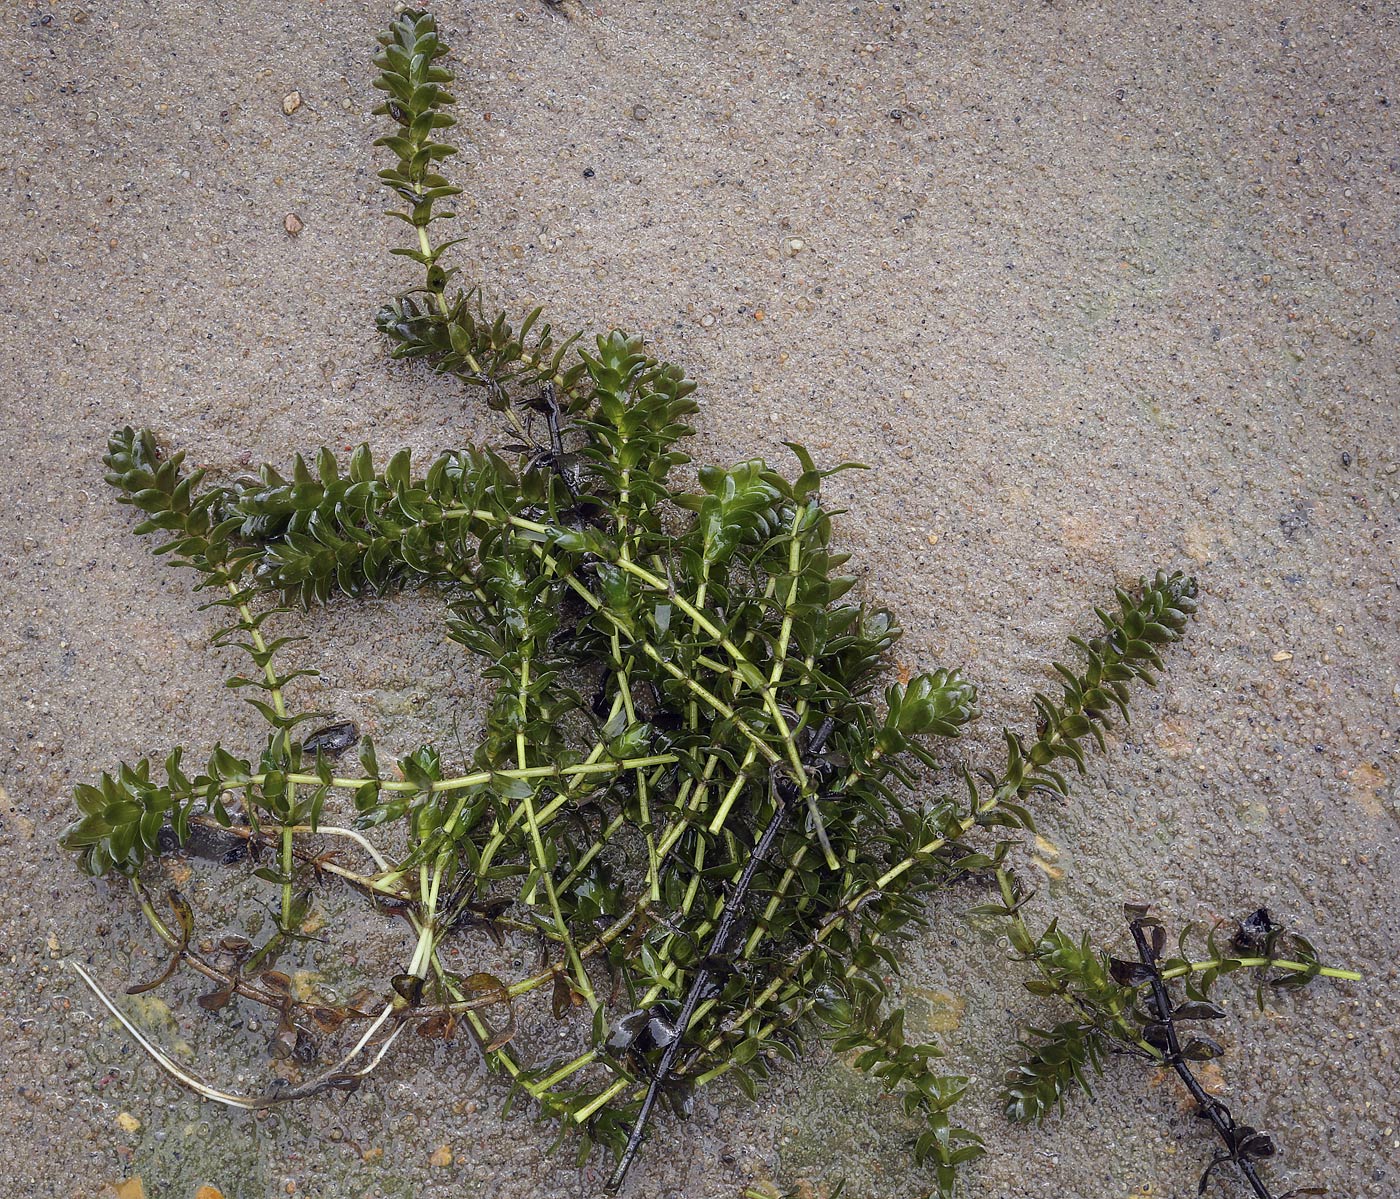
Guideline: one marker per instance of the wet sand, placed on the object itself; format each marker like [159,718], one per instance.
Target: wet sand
[1092,289]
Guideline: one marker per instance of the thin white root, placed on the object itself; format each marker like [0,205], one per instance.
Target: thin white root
[337,1076]
[158,1055]
[330,830]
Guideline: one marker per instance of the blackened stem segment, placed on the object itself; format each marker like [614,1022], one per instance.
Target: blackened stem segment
[715,961]
[1208,1107]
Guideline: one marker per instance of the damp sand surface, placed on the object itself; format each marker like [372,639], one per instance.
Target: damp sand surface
[1091,289]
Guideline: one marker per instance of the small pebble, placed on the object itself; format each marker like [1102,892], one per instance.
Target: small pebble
[291,102]
[707,320]
[292,224]
[795,246]
[640,112]
[128,1123]
[442,1156]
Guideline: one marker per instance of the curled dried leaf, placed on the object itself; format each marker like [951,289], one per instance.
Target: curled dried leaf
[276,982]
[184,919]
[439,1026]
[409,987]
[563,995]
[1201,1049]
[327,1019]
[1129,974]
[217,999]
[170,967]
[184,915]
[284,1040]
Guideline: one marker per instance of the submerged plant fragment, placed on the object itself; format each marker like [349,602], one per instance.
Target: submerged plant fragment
[1125,1006]
[692,803]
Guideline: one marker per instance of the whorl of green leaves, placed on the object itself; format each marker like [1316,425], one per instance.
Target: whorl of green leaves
[120,818]
[167,497]
[939,703]
[1057,1062]
[881,1049]
[1058,1059]
[459,339]
[216,533]
[457,334]
[1125,651]
[415,84]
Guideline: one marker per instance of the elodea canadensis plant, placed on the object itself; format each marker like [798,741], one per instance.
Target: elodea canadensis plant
[696,801]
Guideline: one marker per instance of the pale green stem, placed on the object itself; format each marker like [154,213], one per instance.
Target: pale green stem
[279,706]
[482,777]
[701,620]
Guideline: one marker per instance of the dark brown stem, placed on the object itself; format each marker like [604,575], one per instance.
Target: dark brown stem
[786,795]
[1208,1107]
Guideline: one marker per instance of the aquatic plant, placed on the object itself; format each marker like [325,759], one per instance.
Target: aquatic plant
[691,798]
[1124,1007]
